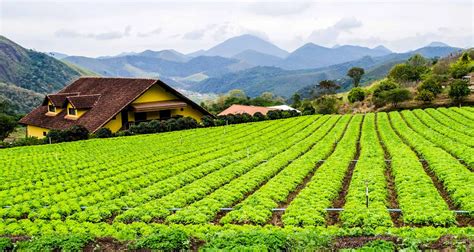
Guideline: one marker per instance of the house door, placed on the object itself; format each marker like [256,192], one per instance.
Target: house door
[124,115]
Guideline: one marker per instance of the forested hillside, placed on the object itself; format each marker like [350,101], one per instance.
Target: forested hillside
[32,70]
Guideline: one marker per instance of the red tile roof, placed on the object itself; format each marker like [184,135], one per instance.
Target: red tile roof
[240,109]
[105,97]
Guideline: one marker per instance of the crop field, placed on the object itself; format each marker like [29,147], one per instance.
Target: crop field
[309,182]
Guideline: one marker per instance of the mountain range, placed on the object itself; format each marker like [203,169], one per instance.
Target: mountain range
[250,63]
[245,62]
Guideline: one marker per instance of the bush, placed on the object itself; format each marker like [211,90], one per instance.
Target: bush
[7,125]
[384,86]
[103,133]
[425,96]
[397,95]
[431,84]
[274,114]
[356,94]
[27,141]
[257,117]
[75,133]
[459,90]
[326,105]
[208,121]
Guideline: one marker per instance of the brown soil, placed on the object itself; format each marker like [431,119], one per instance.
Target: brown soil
[276,217]
[340,201]
[359,241]
[392,191]
[106,244]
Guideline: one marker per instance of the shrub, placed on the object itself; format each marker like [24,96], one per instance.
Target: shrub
[103,133]
[77,132]
[425,95]
[27,141]
[7,125]
[356,94]
[431,84]
[246,117]
[258,117]
[208,121]
[384,86]
[274,114]
[458,90]
[397,95]
[326,105]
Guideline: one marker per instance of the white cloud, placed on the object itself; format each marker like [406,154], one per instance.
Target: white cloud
[329,36]
[154,32]
[187,26]
[68,33]
[278,8]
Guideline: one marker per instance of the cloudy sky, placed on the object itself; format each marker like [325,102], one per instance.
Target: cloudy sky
[107,27]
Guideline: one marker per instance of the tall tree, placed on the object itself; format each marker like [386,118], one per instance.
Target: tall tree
[328,86]
[296,100]
[356,74]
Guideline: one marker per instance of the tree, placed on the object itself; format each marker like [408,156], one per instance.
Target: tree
[397,95]
[384,86]
[461,68]
[356,74]
[425,96]
[459,90]
[7,126]
[431,84]
[328,86]
[307,108]
[296,100]
[356,94]
[402,73]
[326,105]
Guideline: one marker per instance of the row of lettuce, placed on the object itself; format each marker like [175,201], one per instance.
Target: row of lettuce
[252,168]
[75,236]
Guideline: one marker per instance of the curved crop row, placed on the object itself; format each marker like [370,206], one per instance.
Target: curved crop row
[442,129]
[257,207]
[457,117]
[458,181]
[369,172]
[308,208]
[449,122]
[456,148]
[466,113]
[418,198]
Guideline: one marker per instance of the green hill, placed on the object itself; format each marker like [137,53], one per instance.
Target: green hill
[33,70]
[22,100]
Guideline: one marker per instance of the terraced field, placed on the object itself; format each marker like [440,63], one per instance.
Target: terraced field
[386,175]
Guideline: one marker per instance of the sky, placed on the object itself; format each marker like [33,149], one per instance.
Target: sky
[107,27]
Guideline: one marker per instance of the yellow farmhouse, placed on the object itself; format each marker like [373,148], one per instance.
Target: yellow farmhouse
[113,103]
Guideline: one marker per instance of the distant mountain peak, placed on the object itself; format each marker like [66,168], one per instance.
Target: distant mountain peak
[382,48]
[238,44]
[437,44]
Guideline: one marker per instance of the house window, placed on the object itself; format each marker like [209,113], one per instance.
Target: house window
[72,111]
[182,109]
[44,133]
[51,108]
[165,114]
